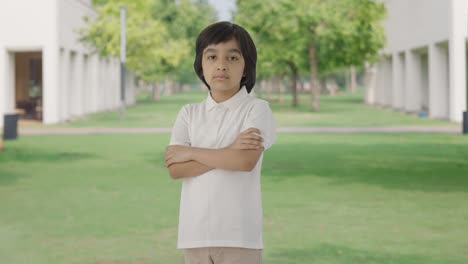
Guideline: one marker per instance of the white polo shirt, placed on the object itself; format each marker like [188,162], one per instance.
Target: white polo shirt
[222,208]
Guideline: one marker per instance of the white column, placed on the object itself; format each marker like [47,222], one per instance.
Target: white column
[72,85]
[3,82]
[51,84]
[7,83]
[94,81]
[424,81]
[398,81]
[413,87]
[99,87]
[388,82]
[102,86]
[105,87]
[85,85]
[78,85]
[116,82]
[50,65]
[438,82]
[110,87]
[379,89]
[113,87]
[64,72]
[457,60]
[370,83]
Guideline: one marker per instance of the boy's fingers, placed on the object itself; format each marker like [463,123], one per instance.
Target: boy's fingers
[249,146]
[254,136]
[251,142]
[252,130]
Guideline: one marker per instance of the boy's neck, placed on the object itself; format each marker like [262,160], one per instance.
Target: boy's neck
[220,97]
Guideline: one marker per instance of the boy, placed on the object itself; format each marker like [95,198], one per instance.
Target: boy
[217,148]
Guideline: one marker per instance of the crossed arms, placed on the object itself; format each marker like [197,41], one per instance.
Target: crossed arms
[241,155]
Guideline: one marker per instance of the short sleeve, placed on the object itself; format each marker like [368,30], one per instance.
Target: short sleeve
[180,131]
[261,117]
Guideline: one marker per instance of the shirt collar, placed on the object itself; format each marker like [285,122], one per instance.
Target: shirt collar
[230,103]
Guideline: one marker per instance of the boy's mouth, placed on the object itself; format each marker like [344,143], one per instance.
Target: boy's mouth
[220,77]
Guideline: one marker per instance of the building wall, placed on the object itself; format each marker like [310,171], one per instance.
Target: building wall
[76,81]
[415,23]
[18,35]
[427,40]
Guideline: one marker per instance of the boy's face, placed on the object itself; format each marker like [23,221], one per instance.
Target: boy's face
[223,66]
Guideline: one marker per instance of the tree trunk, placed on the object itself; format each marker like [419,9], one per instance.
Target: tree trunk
[281,90]
[156,91]
[314,89]
[276,86]
[261,88]
[178,86]
[269,88]
[168,87]
[353,80]
[348,81]
[293,84]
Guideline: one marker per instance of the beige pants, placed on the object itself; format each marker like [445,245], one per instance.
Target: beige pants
[222,255]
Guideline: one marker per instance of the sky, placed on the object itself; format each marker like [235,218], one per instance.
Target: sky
[224,8]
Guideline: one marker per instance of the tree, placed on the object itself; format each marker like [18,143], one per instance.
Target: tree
[277,55]
[160,34]
[331,34]
[184,21]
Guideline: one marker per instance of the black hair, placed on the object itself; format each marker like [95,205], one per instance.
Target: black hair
[222,32]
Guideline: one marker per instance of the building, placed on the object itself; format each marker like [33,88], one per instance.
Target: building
[423,67]
[46,73]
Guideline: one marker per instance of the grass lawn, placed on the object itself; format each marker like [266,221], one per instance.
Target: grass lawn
[328,198]
[344,110]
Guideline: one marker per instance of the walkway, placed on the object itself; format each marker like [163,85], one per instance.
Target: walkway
[143,130]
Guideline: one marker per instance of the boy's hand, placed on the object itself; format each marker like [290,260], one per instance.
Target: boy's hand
[177,154]
[248,139]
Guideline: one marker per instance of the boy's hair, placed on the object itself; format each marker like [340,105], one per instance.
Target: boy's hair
[222,32]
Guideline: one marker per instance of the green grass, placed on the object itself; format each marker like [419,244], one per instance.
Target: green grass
[343,110]
[328,198]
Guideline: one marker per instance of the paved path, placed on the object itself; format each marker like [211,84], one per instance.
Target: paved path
[143,130]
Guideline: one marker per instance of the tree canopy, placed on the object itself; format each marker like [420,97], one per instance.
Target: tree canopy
[160,34]
[314,36]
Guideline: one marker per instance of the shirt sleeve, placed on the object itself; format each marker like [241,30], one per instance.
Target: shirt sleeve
[261,117]
[180,131]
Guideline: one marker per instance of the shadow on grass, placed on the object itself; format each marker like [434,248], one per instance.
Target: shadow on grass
[8,176]
[15,156]
[327,253]
[407,166]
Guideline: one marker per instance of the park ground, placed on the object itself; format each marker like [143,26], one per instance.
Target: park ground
[327,197]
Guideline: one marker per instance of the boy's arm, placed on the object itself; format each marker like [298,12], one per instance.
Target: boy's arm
[241,155]
[227,159]
[187,169]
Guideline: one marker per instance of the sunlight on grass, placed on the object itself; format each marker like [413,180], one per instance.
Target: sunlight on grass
[360,198]
[343,110]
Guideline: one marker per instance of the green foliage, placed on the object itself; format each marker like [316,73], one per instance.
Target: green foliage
[344,32]
[276,33]
[160,34]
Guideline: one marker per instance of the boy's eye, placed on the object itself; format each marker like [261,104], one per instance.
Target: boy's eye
[233,58]
[211,57]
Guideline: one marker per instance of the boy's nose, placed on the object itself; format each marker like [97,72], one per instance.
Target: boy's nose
[221,66]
